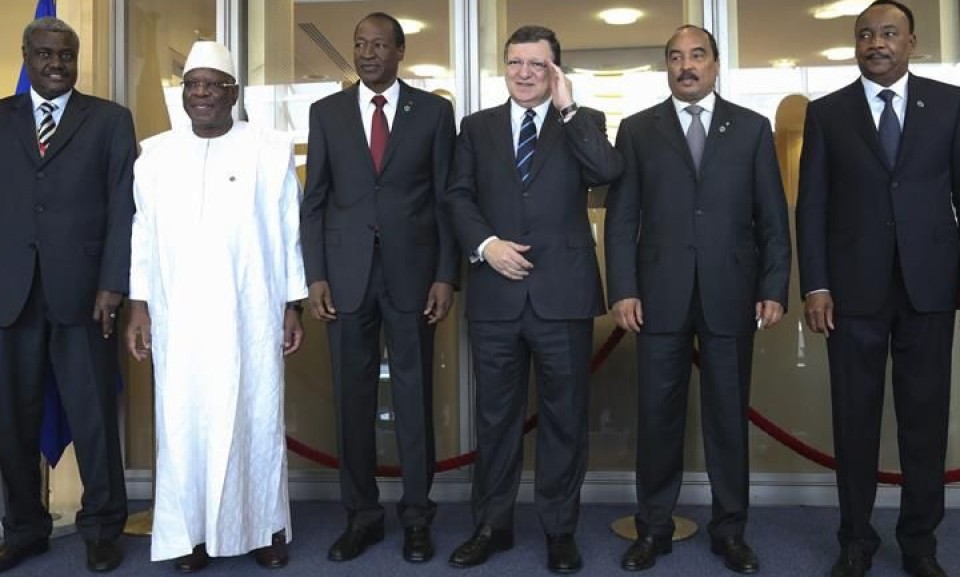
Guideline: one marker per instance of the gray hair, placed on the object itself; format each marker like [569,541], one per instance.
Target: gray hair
[48,24]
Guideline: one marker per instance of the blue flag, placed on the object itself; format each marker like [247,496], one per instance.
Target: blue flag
[55,433]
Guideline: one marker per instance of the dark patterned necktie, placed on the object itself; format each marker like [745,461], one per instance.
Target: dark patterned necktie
[526,145]
[379,131]
[47,126]
[696,135]
[889,127]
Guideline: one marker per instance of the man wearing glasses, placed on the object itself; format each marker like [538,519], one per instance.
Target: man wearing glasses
[518,198]
[216,275]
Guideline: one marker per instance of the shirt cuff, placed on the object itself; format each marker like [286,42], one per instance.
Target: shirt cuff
[477,255]
[816,291]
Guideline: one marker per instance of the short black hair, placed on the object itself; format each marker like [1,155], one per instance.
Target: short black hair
[48,24]
[898,5]
[713,41]
[532,34]
[398,37]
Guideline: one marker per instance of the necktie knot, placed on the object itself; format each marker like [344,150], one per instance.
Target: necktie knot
[694,110]
[886,95]
[47,107]
[379,101]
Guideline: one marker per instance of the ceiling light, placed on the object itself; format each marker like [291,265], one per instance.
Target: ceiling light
[839,8]
[783,63]
[620,16]
[839,53]
[411,26]
[428,71]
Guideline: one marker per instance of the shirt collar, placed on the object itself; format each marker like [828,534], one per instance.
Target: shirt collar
[871,89]
[517,111]
[60,101]
[392,94]
[708,103]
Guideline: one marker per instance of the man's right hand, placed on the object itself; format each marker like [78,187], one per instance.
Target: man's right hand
[320,301]
[138,330]
[628,314]
[818,312]
[507,259]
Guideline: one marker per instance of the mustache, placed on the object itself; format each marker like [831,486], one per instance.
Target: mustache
[877,54]
[687,75]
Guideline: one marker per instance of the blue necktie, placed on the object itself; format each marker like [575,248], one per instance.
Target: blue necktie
[889,127]
[526,145]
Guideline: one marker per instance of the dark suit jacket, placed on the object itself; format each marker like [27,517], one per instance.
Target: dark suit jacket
[854,213]
[73,208]
[345,200]
[486,198]
[727,228]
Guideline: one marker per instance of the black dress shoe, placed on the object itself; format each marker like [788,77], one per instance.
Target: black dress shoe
[562,554]
[923,566]
[737,555]
[103,556]
[852,562]
[274,555]
[354,541]
[642,554]
[485,541]
[417,545]
[11,555]
[195,561]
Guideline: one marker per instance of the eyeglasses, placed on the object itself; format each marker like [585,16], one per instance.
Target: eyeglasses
[191,85]
[537,66]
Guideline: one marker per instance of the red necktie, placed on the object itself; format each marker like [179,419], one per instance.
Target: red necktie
[379,131]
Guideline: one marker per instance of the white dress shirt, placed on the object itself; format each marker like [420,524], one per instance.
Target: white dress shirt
[872,90]
[60,102]
[708,103]
[367,107]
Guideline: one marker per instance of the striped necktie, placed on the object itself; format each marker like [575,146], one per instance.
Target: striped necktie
[526,145]
[47,126]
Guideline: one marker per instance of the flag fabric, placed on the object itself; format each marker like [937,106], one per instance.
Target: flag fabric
[55,433]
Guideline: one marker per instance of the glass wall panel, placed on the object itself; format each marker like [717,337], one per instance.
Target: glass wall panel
[298,52]
[159,35]
[783,54]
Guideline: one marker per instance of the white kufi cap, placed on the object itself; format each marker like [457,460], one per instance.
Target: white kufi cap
[209,54]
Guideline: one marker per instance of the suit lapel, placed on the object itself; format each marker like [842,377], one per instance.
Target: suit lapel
[859,111]
[403,118]
[356,136]
[74,115]
[25,125]
[668,125]
[501,135]
[717,131]
[548,137]
[916,116]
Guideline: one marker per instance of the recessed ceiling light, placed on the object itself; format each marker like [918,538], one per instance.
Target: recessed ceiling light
[783,63]
[839,8]
[411,26]
[839,53]
[620,16]
[428,71]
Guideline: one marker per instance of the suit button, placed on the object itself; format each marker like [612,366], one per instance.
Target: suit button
[891,224]
[32,245]
[698,212]
[691,248]
[894,184]
[525,194]
[378,187]
[38,208]
[41,175]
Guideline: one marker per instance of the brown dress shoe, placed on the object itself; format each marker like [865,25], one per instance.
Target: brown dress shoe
[274,555]
[195,561]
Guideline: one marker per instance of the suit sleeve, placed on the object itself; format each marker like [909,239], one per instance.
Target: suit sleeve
[812,207]
[122,152]
[772,226]
[469,224]
[622,222]
[586,134]
[955,166]
[448,266]
[315,200]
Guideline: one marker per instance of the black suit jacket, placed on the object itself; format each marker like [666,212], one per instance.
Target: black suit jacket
[726,228]
[855,213]
[346,201]
[70,211]
[487,198]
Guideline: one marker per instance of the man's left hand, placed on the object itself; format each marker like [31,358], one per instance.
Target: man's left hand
[439,301]
[560,87]
[292,332]
[105,310]
[768,313]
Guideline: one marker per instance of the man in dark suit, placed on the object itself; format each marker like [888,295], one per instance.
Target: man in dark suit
[518,197]
[66,208]
[697,246]
[879,256]
[378,250]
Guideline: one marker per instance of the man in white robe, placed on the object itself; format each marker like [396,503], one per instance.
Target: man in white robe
[216,277]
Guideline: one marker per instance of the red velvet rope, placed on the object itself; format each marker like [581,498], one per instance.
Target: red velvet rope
[761,422]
